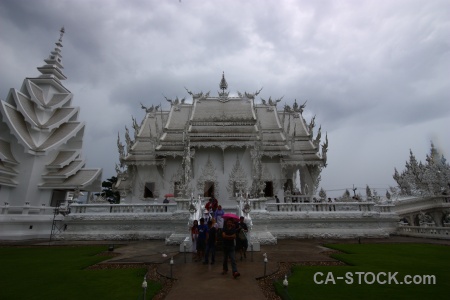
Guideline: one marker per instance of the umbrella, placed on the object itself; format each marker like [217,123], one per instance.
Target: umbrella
[168,195]
[230,216]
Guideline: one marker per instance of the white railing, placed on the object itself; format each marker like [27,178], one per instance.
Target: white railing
[183,205]
[122,208]
[416,204]
[424,231]
[26,209]
[329,207]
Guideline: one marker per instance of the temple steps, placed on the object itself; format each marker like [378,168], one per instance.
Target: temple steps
[257,238]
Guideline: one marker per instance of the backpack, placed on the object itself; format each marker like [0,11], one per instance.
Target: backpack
[242,235]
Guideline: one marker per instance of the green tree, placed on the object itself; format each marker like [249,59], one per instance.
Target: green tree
[322,194]
[108,190]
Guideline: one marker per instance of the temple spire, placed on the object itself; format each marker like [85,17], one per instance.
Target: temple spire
[223,83]
[53,66]
[61,33]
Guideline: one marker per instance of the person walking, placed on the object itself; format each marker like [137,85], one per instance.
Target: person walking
[241,239]
[201,240]
[218,215]
[229,236]
[194,237]
[211,241]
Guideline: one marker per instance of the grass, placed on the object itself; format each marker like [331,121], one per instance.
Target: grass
[406,259]
[60,273]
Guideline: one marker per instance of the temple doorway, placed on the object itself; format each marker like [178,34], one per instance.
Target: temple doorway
[58,197]
[288,185]
[149,190]
[268,190]
[208,190]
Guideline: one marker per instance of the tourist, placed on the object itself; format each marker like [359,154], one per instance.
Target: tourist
[229,235]
[208,205]
[194,237]
[218,215]
[277,201]
[165,201]
[215,204]
[241,239]
[211,241]
[202,236]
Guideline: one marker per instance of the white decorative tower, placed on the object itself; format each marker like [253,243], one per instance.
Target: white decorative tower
[41,140]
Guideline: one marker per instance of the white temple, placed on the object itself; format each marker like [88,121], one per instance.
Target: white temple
[222,146]
[237,148]
[40,149]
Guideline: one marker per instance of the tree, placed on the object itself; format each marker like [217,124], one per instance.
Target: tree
[108,190]
[368,192]
[346,194]
[388,195]
[322,194]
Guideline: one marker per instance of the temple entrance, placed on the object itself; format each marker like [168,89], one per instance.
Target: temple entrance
[268,190]
[208,190]
[149,190]
[288,185]
[58,197]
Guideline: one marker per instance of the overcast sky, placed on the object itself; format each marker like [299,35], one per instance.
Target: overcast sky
[375,73]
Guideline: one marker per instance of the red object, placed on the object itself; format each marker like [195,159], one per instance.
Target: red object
[230,216]
[168,195]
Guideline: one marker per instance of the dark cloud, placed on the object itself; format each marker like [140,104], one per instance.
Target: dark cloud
[375,73]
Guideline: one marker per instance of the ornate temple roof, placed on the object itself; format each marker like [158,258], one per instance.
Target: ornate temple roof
[86,179]
[224,121]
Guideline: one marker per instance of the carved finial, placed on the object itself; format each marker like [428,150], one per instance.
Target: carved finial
[168,100]
[319,135]
[311,126]
[61,33]
[295,106]
[324,150]
[223,83]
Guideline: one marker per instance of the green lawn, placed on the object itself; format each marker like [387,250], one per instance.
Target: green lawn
[406,259]
[60,273]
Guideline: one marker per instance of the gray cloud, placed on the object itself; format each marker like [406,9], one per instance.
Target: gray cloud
[374,72]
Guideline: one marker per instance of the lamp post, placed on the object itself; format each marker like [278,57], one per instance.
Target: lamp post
[285,283]
[171,265]
[265,263]
[144,286]
[184,246]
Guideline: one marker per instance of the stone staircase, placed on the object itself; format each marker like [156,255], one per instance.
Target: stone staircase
[257,238]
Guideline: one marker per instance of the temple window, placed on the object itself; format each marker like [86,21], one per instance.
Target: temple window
[149,190]
[268,190]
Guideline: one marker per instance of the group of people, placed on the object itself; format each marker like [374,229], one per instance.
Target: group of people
[212,228]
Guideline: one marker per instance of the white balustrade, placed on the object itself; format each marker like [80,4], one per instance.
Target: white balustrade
[26,209]
[424,231]
[328,207]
